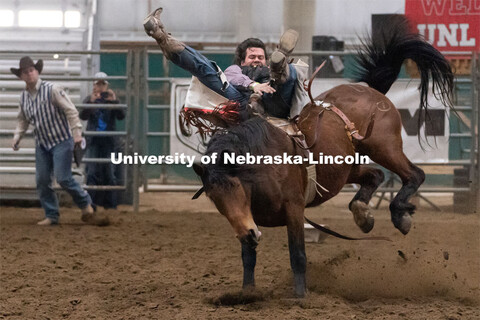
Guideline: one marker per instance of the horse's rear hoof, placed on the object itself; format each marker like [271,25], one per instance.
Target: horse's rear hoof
[404,223]
[300,285]
[362,216]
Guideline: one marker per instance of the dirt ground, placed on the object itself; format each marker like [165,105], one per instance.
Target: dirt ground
[178,259]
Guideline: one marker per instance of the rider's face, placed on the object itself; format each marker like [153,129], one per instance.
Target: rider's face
[254,57]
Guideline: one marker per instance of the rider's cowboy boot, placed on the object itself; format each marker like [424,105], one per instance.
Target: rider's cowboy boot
[155,29]
[279,70]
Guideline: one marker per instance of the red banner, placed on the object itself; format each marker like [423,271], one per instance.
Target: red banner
[450,25]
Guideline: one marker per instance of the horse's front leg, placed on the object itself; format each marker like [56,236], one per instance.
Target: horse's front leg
[249,259]
[296,246]
[235,206]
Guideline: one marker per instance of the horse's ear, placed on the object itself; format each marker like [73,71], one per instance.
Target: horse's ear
[199,169]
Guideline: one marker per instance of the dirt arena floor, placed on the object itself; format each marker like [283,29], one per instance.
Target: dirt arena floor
[178,259]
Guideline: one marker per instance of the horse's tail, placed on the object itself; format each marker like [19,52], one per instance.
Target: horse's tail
[380,62]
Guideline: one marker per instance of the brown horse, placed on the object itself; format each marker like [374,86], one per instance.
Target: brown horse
[272,195]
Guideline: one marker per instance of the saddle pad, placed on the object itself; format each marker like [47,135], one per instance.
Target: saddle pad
[201,97]
[286,126]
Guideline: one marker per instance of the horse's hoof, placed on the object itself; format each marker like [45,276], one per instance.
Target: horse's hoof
[362,216]
[404,223]
[248,287]
[300,291]
[300,294]
[300,285]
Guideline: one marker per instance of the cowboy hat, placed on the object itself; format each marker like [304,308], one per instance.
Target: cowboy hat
[27,62]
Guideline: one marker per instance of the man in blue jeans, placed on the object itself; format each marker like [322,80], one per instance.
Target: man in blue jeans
[102,146]
[57,128]
[250,80]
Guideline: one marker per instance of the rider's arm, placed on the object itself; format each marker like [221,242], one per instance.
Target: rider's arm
[236,77]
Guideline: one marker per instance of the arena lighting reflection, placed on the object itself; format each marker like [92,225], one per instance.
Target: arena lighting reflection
[49,18]
[6,18]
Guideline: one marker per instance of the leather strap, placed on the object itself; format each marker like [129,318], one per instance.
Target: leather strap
[341,236]
[349,126]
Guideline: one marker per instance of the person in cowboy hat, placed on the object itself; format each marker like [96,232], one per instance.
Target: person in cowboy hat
[57,128]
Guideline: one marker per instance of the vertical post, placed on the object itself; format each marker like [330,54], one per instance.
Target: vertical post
[130,124]
[475,150]
[300,16]
[145,127]
[163,168]
[135,121]
[243,22]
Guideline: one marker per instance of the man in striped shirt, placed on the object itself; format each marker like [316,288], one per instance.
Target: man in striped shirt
[57,128]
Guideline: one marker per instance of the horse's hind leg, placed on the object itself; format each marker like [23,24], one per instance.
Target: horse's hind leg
[412,177]
[400,209]
[369,179]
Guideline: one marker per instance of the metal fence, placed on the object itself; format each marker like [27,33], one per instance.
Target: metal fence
[388,187]
[139,106]
[129,134]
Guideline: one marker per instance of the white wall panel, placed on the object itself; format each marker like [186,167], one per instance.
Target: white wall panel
[191,19]
[346,18]
[222,20]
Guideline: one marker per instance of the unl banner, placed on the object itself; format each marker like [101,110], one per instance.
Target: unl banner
[434,128]
[449,25]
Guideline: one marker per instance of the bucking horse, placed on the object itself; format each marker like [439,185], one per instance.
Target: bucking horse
[348,119]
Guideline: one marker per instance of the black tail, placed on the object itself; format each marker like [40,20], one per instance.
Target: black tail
[380,63]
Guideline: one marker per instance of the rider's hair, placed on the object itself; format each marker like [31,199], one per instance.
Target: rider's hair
[241,52]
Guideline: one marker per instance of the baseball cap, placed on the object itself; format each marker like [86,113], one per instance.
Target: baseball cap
[102,76]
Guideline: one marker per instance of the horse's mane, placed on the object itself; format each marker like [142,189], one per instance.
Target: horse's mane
[255,136]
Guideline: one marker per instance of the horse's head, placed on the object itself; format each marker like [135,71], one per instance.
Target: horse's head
[229,185]
[232,199]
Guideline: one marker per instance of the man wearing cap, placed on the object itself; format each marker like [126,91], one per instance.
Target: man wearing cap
[101,146]
[57,128]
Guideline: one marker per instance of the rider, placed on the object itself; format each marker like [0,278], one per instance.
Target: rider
[279,86]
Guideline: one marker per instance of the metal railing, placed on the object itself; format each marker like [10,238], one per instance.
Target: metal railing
[131,125]
[472,162]
[138,106]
